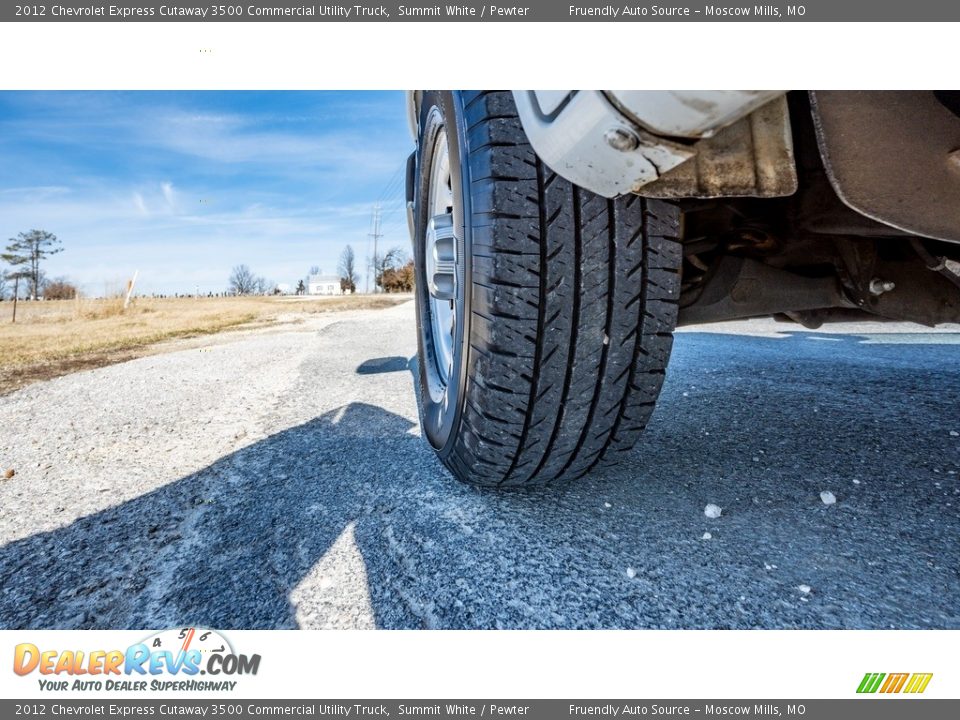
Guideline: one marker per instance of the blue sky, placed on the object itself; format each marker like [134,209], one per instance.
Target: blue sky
[182,186]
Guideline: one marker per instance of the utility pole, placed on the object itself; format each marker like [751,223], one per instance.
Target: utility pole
[376,235]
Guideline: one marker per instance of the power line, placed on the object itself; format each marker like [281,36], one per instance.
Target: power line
[393,183]
[393,198]
[398,225]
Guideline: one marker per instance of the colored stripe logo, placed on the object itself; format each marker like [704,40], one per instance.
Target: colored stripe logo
[913,683]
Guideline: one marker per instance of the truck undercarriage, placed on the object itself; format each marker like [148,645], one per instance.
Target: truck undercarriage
[809,257]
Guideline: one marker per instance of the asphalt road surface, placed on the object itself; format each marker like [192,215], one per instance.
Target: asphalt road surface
[277,479]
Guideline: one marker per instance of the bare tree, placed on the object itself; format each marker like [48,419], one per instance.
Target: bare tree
[392,259]
[3,285]
[348,270]
[243,281]
[262,286]
[314,270]
[26,251]
[59,289]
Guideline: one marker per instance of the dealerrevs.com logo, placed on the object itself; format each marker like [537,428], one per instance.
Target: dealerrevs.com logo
[181,653]
[889,683]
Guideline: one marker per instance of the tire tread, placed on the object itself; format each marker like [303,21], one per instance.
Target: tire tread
[574,301]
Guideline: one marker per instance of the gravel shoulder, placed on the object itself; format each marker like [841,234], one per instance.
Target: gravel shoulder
[277,478]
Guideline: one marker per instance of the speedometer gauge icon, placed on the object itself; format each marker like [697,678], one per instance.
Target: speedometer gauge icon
[179,640]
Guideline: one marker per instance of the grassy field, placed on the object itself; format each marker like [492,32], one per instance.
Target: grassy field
[56,337]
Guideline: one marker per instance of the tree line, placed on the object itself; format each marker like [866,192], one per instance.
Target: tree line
[392,272]
[24,277]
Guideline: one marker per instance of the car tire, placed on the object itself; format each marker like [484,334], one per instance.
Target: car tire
[544,312]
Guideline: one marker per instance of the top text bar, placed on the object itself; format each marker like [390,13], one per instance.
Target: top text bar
[473,11]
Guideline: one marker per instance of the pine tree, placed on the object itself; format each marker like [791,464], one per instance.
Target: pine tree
[24,254]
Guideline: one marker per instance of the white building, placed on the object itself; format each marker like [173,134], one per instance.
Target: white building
[323,285]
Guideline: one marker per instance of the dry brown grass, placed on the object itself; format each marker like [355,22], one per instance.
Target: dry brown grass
[56,337]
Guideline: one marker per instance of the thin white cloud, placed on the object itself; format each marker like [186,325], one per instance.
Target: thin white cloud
[169,195]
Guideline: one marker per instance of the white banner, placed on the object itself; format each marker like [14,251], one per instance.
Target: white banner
[461,664]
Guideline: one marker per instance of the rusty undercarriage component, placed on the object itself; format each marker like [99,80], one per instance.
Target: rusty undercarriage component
[753,157]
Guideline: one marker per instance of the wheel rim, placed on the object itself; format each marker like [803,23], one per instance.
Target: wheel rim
[441,259]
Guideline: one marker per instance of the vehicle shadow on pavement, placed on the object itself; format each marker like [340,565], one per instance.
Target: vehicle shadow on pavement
[223,547]
[349,521]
